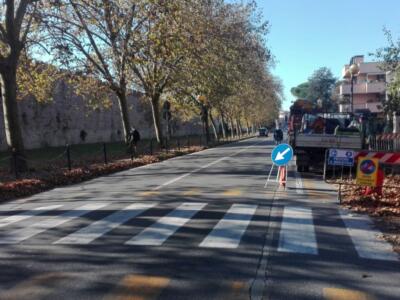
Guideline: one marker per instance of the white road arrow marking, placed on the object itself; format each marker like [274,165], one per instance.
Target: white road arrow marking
[280,155]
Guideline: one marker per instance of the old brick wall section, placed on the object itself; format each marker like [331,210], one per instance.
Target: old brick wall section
[68,119]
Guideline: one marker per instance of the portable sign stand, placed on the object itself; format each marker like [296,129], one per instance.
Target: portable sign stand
[339,158]
[280,156]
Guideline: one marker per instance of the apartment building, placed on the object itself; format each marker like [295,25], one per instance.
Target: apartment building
[369,87]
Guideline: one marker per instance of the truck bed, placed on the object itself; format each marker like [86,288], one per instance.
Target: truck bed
[327,141]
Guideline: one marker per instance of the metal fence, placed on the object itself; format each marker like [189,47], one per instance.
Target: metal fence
[384,142]
[345,176]
[72,156]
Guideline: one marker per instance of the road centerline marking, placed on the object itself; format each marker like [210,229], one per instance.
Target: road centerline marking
[140,287]
[203,167]
[232,192]
[344,294]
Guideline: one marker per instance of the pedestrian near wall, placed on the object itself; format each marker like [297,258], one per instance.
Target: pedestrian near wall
[133,139]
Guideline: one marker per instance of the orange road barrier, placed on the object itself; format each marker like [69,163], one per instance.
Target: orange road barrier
[282,176]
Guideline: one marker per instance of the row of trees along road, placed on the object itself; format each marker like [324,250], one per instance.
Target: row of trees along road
[207,57]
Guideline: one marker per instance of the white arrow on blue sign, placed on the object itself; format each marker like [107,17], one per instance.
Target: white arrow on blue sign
[282,154]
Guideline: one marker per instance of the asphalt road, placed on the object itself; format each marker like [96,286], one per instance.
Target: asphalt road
[200,226]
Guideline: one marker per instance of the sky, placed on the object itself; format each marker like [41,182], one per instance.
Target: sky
[308,34]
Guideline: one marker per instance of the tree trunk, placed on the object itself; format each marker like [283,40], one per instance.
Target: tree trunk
[223,125]
[123,106]
[240,127]
[232,128]
[247,127]
[155,109]
[11,122]
[206,128]
[214,126]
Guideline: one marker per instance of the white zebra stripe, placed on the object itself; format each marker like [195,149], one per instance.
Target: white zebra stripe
[97,229]
[25,233]
[297,234]
[228,232]
[367,239]
[159,232]
[26,215]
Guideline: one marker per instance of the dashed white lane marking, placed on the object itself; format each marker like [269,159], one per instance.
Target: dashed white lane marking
[22,234]
[159,232]
[26,215]
[229,230]
[367,240]
[97,229]
[297,234]
[203,167]
[299,184]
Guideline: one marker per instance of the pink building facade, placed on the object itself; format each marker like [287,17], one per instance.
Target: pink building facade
[369,87]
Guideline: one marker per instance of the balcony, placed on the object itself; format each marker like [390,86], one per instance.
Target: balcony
[358,88]
[363,88]
[366,68]
[374,107]
[376,87]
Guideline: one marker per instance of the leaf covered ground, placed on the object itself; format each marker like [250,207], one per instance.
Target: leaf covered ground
[385,207]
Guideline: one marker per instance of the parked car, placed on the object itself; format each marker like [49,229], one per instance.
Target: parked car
[263,132]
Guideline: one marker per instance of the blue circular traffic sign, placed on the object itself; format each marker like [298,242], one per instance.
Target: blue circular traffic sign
[368,167]
[282,154]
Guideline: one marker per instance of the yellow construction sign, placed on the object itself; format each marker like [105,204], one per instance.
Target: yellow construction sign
[367,171]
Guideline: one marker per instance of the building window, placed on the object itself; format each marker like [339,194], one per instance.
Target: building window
[380,78]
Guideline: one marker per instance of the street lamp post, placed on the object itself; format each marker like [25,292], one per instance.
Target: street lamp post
[353,70]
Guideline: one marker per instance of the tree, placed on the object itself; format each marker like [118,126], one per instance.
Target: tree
[93,38]
[301,91]
[321,84]
[319,87]
[230,67]
[390,57]
[159,49]
[16,20]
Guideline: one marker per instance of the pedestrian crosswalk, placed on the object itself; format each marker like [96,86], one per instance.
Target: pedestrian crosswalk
[22,234]
[158,233]
[227,233]
[297,232]
[101,227]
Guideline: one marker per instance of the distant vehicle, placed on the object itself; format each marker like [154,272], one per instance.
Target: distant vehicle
[263,132]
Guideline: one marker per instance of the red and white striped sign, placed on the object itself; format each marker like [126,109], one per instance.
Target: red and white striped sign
[384,157]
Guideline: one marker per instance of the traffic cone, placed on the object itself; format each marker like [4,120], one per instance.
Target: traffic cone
[282,176]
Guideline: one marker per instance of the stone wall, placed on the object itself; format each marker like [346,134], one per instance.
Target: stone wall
[67,119]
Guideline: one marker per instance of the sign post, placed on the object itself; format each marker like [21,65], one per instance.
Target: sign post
[281,155]
[342,158]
